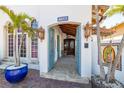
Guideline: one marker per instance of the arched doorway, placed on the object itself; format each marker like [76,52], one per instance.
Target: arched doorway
[71,31]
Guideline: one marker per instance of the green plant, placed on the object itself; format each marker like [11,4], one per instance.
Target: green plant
[18,21]
[110,12]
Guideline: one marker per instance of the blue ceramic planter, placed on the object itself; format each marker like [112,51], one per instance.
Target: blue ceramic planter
[16,74]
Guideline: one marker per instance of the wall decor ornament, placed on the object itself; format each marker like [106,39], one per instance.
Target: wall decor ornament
[106,50]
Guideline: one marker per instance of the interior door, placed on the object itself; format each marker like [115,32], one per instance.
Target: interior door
[51,49]
[69,46]
[78,50]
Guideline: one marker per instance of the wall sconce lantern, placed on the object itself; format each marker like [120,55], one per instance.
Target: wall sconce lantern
[41,33]
[88,30]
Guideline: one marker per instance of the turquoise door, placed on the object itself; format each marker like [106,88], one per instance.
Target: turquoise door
[58,46]
[78,50]
[51,49]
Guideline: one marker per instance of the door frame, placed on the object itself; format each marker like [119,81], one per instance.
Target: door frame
[51,60]
[78,47]
[56,24]
[58,46]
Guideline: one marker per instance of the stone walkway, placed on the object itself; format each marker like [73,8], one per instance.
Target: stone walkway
[33,80]
[4,64]
[65,69]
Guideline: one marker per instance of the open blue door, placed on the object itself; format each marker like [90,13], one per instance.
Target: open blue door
[78,50]
[51,51]
[58,46]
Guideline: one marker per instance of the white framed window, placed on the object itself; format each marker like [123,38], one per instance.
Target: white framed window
[23,47]
[29,50]
[10,45]
[34,47]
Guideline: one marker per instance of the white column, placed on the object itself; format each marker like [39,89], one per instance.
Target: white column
[43,53]
[85,56]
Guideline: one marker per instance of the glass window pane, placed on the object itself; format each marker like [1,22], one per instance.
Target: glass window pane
[34,47]
[23,47]
[10,45]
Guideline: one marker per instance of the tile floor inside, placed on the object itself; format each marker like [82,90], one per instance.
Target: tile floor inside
[65,69]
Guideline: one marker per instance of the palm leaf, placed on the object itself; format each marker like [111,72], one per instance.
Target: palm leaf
[10,28]
[18,20]
[9,12]
[24,16]
[26,28]
[114,10]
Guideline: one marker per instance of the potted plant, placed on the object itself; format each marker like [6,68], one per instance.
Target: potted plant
[16,73]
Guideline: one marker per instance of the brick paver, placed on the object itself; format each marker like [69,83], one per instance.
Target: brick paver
[33,80]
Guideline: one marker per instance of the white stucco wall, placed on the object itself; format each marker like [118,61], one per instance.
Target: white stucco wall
[119,75]
[86,60]
[58,32]
[3,19]
[47,15]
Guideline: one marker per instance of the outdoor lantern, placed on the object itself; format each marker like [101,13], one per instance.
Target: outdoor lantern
[34,24]
[88,30]
[41,33]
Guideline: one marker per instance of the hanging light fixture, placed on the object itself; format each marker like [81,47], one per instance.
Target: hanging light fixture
[41,33]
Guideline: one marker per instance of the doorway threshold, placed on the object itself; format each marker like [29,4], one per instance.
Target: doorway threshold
[65,70]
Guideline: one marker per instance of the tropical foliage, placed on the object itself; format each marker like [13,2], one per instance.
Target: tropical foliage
[115,10]
[18,22]
[112,11]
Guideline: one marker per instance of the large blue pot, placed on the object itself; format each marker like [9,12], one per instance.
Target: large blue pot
[16,74]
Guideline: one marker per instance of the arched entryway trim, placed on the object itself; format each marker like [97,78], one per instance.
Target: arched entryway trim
[59,23]
[51,45]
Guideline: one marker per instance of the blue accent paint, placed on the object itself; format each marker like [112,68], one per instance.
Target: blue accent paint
[16,75]
[51,49]
[34,24]
[58,46]
[78,50]
[62,18]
